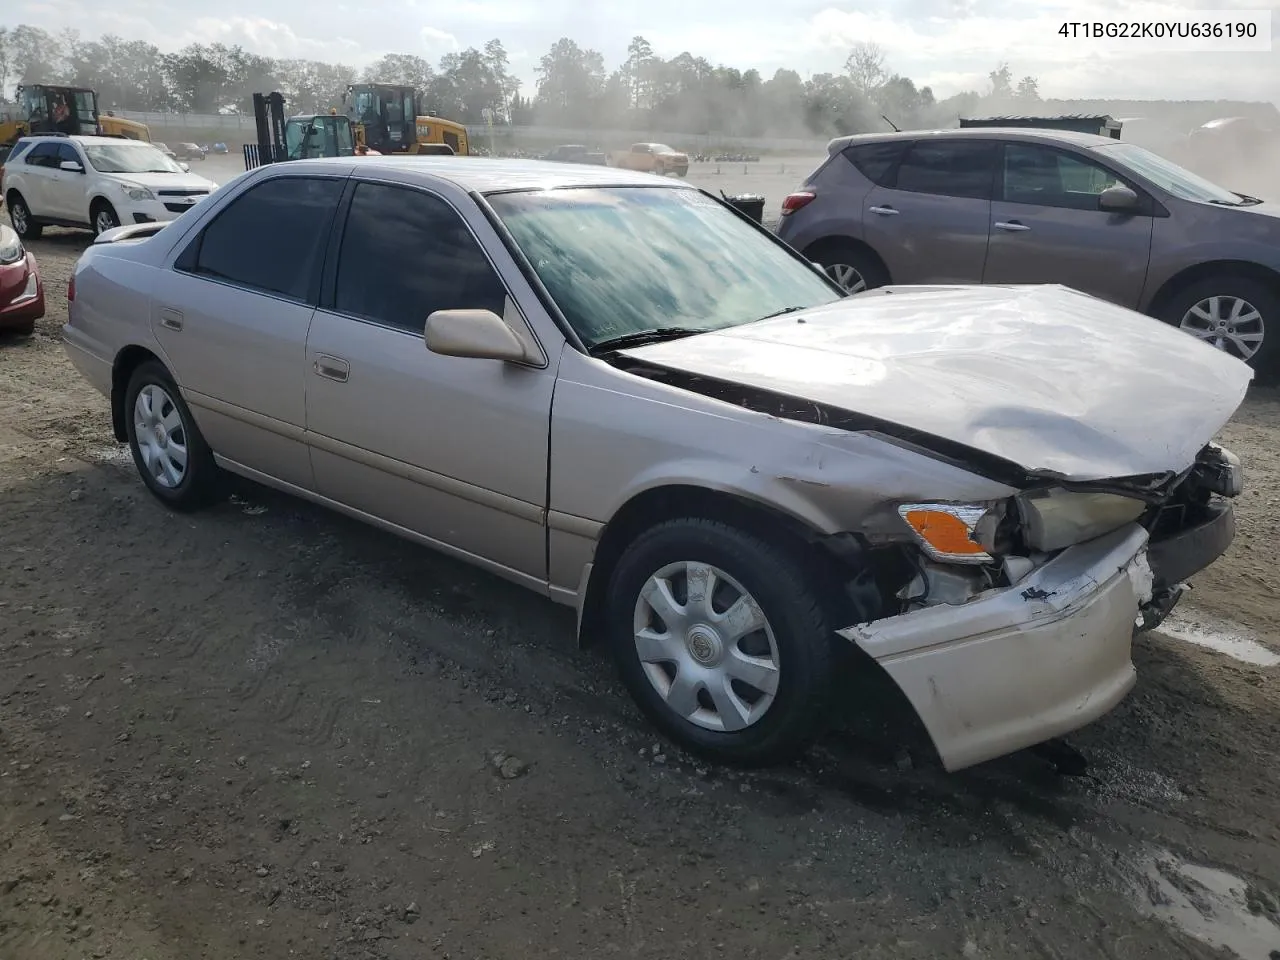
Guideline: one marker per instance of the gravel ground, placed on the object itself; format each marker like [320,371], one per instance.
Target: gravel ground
[266,731]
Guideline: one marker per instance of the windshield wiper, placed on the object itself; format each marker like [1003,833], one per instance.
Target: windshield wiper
[779,313]
[657,335]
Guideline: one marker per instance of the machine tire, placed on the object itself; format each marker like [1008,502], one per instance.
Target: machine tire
[20,213]
[802,651]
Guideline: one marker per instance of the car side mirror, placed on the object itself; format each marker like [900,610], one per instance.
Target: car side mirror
[477,334]
[186,167]
[71,166]
[1117,198]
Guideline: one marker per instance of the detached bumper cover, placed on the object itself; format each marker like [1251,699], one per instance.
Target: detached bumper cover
[1022,664]
[1181,555]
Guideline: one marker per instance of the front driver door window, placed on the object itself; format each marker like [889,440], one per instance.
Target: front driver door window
[454,449]
[1047,226]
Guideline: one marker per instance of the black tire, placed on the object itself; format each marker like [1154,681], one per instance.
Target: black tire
[202,483]
[101,214]
[781,588]
[20,213]
[1264,298]
[834,256]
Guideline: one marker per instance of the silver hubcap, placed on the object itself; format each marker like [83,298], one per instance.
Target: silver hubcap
[1229,323]
[18,214]
[848,277]
[105,220]
[706,646]
[161,436]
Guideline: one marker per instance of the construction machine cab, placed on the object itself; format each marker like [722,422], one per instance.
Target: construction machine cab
[383,115]
[299,138]
[45,108]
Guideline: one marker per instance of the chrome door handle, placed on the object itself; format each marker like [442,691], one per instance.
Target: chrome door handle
[332,368]
[1013,226]
[884,211]
[171,319]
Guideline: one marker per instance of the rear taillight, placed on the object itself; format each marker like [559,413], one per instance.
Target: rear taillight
[794,201]
[71,290]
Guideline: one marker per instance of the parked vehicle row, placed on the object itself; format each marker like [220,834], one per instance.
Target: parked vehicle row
[615,390]
[1035,206]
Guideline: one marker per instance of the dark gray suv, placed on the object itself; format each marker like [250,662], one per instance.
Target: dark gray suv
[1041,206]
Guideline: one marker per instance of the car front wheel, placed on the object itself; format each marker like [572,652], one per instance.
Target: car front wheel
[104,217]
[168,449]
[721,641]
[1232,314]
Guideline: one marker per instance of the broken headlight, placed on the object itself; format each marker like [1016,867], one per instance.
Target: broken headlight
[953,532]
[1053,519]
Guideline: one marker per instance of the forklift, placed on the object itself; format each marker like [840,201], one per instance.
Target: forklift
[45,108]
[298,138]
[383,116]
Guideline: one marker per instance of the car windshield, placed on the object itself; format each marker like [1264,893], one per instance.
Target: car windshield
[129,158]
[662,148]
[1168,175]
[626,261]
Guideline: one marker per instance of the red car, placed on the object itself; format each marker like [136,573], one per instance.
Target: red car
[21,292]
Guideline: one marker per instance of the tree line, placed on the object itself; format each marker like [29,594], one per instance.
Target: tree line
[574,88]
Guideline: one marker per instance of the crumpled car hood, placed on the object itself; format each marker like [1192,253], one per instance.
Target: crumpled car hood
[1058,382]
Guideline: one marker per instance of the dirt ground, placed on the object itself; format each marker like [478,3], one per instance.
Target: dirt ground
[266,731]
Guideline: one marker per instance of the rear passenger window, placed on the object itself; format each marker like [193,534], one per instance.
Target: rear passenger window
[949,168]
[406,254]
[876,161]
[270,238]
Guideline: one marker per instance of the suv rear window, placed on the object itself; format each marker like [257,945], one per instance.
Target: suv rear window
[876,161]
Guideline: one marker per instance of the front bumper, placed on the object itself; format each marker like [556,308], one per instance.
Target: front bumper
[1021,664]
[160,210]
[1180,555]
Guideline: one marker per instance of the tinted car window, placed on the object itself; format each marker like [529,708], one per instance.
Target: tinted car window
[955,168]
[875,161]
[1051,178]
[270,238]
[43,154]
[406,254]
[67,153]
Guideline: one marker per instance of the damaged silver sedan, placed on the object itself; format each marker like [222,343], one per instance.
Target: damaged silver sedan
[616,390]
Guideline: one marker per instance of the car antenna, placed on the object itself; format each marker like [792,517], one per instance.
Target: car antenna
[890,123]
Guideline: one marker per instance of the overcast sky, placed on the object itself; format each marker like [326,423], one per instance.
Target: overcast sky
[947,44]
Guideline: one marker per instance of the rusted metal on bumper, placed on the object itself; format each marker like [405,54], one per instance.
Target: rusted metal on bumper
[1021,664]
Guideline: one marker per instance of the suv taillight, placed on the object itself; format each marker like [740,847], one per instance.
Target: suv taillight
[794,201]
[71,290]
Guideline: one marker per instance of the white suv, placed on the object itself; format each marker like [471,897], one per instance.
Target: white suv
[95,182]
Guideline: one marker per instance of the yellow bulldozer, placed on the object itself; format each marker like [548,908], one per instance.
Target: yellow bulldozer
[384,117]
[51,108]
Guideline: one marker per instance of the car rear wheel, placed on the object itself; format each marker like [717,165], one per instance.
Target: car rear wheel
[168,449]
[853,268]
[1233,314]
[104,217]
[721,641]
[20,216]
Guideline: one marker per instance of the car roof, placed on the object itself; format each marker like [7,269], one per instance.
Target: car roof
[78,138]
[492,175]
[977,133]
